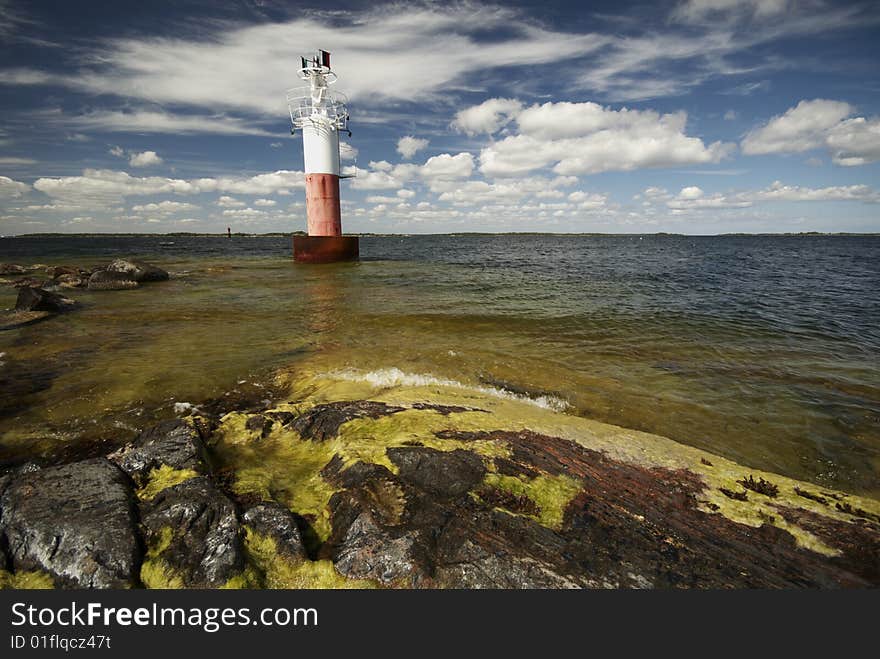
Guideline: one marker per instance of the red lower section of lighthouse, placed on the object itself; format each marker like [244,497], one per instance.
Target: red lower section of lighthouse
[325,249]
[322,205]
[325,242]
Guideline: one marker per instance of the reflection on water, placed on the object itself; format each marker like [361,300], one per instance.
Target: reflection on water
[761,349]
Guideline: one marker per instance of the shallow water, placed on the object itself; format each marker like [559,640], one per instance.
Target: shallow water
[762,349]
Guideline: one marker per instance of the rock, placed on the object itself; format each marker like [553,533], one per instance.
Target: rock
[197,530]
[275,521]
[174,443]
[36,299]
[11,269]
[137,270]
[323,421]
[443,473]
[70,281]
[13,319]
[104,280]
[57,271]
[77,522]
[30,282]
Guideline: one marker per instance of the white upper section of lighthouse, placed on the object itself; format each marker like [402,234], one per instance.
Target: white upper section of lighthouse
[319,114]
[316,104]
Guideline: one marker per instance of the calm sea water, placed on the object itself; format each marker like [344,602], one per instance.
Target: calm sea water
[763,349]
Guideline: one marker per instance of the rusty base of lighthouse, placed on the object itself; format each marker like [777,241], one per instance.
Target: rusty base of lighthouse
[325,249]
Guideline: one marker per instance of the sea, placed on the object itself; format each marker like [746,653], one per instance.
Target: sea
[764,349]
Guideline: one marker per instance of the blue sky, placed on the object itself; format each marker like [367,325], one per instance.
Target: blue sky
[696,116]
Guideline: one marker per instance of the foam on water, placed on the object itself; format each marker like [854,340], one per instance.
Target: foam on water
[394,377]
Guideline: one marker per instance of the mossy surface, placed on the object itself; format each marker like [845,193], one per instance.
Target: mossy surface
[277,571]
[162,478]
[551,494]
[155,572]
[31,580]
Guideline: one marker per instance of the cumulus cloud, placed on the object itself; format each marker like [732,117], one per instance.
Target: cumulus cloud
[144,159]
[587,138]
[230,202]
[487,117]
[780,192]
[165,206]
[11,189]
[347,151]
[97,187]
[264,203]
[819,123]
[693,198]
[408,146]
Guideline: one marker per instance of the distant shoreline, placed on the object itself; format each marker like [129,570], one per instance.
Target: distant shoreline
[456,233]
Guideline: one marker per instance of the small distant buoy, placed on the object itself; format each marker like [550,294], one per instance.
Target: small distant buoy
[229,232]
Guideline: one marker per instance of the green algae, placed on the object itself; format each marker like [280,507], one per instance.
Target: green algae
[156,573]
[280,572]
[551,494]
[30,580]
[161,478]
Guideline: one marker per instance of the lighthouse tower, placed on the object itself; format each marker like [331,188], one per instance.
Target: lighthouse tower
[320,115]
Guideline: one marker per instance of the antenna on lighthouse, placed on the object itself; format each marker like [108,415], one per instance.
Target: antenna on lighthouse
[320,115]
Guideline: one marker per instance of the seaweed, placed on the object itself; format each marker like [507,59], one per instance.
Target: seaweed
[760,486]
[809,495]
[730,494]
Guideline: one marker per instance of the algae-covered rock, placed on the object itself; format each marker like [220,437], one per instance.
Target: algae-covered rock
[272,520]
[193,536]
[105,280]
[174,443]
[76,522]
[323,421]
[137,270]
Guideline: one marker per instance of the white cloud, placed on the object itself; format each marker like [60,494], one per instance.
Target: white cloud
[97,187]
[690,192]
[265,202]
[230,202]
[11,189]
[698,11]
[800,128]
[819,123]
[447,167]
[408,146]
[116,151]
[146,121]
[347,151]
[780,192]
[165,206]
[10,161]
[587,138]
[144,159]
[487,117]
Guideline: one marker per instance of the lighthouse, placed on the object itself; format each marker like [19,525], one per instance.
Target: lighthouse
[320,115]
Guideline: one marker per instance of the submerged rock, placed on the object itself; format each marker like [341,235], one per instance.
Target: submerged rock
[193,536]
[37,299]
[12,269]
[174,443]
[13,319]
[104,280]
[77,522]
[137,270]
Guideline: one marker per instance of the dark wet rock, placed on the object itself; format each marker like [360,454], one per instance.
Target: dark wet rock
[627,526]
[259,424]
[205,547]
[12,269]
[104,280]
[175,443]
[37,299]
[77,522]
[4,562]
[443,473]
[274,521]
[323,421]
[137,270]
